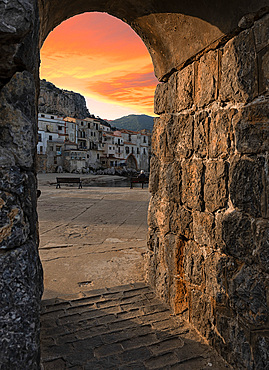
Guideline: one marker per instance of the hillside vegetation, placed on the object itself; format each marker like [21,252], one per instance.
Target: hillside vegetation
[134,122]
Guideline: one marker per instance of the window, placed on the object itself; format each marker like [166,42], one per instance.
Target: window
[130,137]
[55,160]
[110,148]
[111,164]
[52,117]
[91,133]
[119,141]
[94,134]
[39,138]
[118,150]
[60,128]
[137,150]
[127,150]
[88,156]
[132,150]
[98,156]
[51,148]
[145,140]
[42,115]
[81,123]
[89,125]
[144,151]
[50,137]
[41,149]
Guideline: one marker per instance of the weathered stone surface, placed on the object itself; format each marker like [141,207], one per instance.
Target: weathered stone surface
[16,47]
[261,32]
[158,214]
[207,79]
[166,96]
[262,244]
[247,294]
[237,235]
[263,62]
[170,181]
[154,174]
[176,94]
[159,141]
[180,135]
[200,136]
[185,82]
[220,133]
[261,351]
[247,185]
[239,71]
[252,128]
[181,221]
[14,227]
[193,264]
[53,100]
[200,312]
[215,188]
[203,228]
[21,288]
[18,120]
[192,187]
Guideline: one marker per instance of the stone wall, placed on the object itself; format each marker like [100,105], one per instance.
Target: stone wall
[20,268]
[209,212]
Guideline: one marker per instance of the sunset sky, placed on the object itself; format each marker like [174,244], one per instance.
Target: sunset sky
[103,59]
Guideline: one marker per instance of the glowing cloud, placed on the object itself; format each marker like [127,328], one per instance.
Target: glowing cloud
[102,58]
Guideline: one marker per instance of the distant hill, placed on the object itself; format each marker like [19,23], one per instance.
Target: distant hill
[134,122]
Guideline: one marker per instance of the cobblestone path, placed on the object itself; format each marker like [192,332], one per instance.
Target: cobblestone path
[124,327]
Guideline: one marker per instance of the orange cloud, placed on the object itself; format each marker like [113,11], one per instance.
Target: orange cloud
[102,58]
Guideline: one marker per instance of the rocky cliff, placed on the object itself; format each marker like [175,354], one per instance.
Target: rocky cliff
[53,100]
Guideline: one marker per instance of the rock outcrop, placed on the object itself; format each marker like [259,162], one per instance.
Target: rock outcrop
[53,100]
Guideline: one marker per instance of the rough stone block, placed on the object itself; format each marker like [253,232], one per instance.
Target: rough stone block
[203,228]
[207,79]
[17,114]
[215,268]
[261,351]
[262,241]
[192,173]
[200,312]
[166,96]
[247,189]
[238,235]
[220,133]
[247,295]
[215,188]
[263,65]
[181,221]
[185,88]
[15,227]
[180,134]
[200,136]
[21,289]
[193,264]
[252,128]
[170,181]
[154,175]
[261,32]
[239,70]
[17,22]
[159,145]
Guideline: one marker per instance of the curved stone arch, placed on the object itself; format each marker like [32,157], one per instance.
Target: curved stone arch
[132,160]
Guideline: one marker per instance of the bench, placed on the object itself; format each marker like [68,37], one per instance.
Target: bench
[68,180]
[137,180]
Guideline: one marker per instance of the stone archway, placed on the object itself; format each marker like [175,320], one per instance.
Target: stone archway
[131,162]
[208,216]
